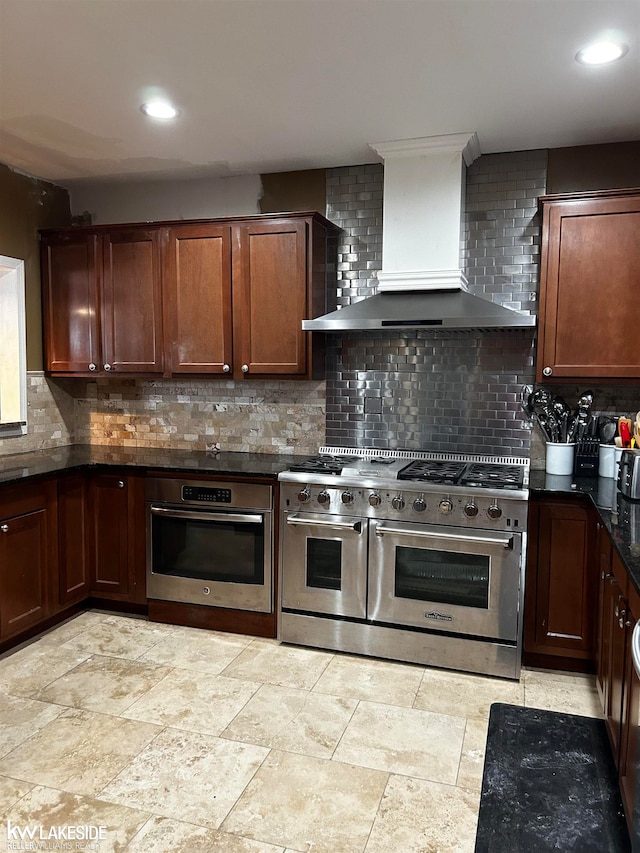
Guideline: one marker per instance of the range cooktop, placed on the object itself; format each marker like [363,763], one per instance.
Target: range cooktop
[471,473]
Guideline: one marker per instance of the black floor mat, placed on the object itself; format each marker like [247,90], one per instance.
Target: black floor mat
[549,783]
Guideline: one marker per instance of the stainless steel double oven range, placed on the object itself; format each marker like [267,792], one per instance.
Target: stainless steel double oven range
[408,556]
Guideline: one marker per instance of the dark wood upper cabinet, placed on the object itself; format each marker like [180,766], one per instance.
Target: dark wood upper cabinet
[206,297]
[197,291]
[590,268]
[102,301]
[132,301]
[271,292]
[71,269]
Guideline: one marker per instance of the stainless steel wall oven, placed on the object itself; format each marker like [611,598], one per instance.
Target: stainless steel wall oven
[210,542]
[378,558]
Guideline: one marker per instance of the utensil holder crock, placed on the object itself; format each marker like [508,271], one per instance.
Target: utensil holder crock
[560,457]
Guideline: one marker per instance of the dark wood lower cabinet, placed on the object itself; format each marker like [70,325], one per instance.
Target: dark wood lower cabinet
[614,615]
[213,618]
[617,681]
[117,552]
[630,717]
[561,590]
[73,565]
[28,555]
[603,643]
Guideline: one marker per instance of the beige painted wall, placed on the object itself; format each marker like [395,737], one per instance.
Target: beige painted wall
[26,205]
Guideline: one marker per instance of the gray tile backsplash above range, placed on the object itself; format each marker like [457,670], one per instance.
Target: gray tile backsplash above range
[438,390]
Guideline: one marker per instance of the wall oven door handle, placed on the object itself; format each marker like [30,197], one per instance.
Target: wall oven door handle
[204,515]
[457,537]
[326,522]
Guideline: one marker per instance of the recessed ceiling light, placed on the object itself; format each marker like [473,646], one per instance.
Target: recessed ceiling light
[159,109]
[601,52]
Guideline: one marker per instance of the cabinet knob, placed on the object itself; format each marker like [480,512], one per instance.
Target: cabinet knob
[547,371]
[107,367]
[245,368]
[121,484]
[4,528]
[225,368]
[92,366]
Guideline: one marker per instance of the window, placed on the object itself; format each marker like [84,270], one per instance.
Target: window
[13,349]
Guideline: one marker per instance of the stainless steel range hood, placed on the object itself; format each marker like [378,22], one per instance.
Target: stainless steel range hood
[446,309]
[421,284]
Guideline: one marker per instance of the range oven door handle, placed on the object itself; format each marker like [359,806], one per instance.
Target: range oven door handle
[457,537]
[326,522]
[204,515]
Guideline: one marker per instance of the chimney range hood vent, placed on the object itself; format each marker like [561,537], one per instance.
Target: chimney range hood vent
[421,284]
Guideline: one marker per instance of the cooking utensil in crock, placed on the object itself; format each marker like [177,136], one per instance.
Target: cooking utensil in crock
[607,428]
[624,431]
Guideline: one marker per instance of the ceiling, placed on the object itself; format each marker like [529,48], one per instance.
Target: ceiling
[279,85]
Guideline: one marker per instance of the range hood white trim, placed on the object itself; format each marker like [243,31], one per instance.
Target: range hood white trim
[424,181]
[466,143]
[422,280]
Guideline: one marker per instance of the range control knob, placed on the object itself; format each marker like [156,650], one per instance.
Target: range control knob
[445,506]
[347,498]
[375,499]
[398,502]
[494,511]
[420,504]
[324,497]
[471,510]
[304,495]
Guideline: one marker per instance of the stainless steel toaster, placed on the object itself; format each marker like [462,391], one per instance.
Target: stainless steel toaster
[629,474]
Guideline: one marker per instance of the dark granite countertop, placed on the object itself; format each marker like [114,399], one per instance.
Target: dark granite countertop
[39,463]
[620,516]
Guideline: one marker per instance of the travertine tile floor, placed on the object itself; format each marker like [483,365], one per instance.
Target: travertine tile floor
[178,740]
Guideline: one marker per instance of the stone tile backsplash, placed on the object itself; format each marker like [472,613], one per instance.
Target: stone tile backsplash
[265,417]
[50,417]
[204,414]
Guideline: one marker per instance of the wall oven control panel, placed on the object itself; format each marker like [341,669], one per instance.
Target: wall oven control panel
[203,494]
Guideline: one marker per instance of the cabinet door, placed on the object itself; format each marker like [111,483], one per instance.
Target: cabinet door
[589,275]
[566,581]
[70,281]
[197,292]
[24,570]
[131,301]
[630,732]
[603,642]
[110,535]
[73,573]
[616,609]
[270,297]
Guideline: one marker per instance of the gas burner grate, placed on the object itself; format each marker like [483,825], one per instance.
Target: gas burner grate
[432,471]
[323,464]
[493,476]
